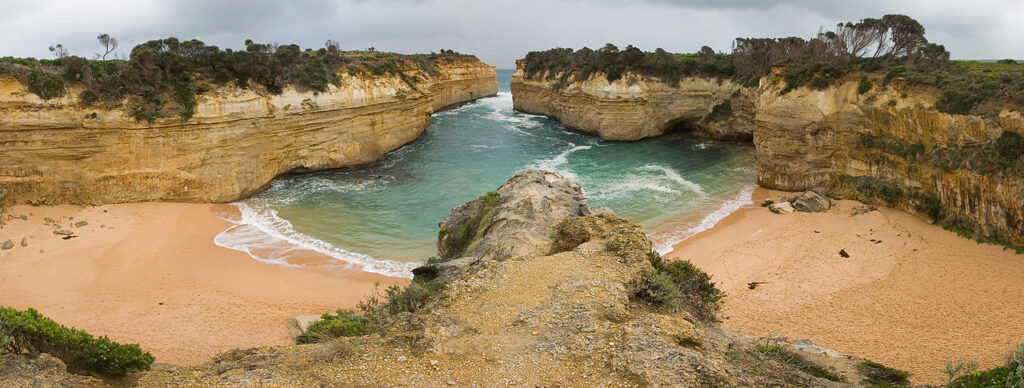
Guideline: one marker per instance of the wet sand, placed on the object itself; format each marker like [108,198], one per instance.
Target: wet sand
[920,297]
[150,273]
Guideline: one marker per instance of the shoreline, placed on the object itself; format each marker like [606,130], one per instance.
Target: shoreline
[150,273]
[911,296]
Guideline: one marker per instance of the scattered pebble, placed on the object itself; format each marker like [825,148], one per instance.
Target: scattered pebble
[8,244]
[24,242]
[434,362]
[842,252]
[80,224]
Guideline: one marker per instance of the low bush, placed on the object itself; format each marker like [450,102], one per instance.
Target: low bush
[677,283]
[345,323]
[30,331]
[880,376]
[781,354]
[376,311]
[864,86]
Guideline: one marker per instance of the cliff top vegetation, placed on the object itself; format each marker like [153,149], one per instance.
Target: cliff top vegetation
[161,78]
[894,45]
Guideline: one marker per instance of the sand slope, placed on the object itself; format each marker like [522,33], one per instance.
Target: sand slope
[152,275]
[919,298]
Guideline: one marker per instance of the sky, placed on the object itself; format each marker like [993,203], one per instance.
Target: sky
[498,32]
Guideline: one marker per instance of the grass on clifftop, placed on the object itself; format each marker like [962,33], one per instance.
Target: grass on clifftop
[161,78]
[29,331]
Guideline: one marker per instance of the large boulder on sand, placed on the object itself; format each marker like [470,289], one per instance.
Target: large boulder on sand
[812,202]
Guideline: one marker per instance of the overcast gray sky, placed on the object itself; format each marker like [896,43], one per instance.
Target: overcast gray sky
[496,31]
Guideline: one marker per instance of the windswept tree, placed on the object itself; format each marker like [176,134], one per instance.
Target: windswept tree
[109,44]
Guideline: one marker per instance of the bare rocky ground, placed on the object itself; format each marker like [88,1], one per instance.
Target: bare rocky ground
[541,294]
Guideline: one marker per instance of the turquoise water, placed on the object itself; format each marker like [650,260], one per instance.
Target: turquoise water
[384,217]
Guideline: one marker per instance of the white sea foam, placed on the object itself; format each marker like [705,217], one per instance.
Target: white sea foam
[674,176]
[264,231]
[557,163]
[663,242]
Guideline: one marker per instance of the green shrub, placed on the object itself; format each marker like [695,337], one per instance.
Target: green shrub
[414,298]
[31,331]
[797,361]
[87,97]
[45,85]
[880,376]
[864,86]
[343,324]
[958,102]
[892,74]
[679,282]
[992,378]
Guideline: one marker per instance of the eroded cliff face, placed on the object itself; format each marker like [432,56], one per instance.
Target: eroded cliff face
[238,140]
[635,107]
[876,146]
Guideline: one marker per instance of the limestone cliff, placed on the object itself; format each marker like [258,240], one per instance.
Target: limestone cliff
[238,140]
[635,107]
[885,145]
[881,145]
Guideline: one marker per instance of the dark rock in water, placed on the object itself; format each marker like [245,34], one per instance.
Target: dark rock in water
[8,244]
[766,202]
[80,224]
[842,252]
[68,237]
[812,202]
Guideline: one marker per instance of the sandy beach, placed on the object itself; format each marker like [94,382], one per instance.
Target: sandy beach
[911,295]
[150,273]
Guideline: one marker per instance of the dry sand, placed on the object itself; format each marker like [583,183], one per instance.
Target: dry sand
[917,299]
[149,273]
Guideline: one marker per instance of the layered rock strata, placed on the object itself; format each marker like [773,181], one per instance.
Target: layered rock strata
[635,107]
[881,146]
[56,151]
[878,146]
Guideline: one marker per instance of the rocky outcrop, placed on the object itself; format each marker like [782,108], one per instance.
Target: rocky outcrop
[547,296]
[875,146]
[635,107]
[238,140]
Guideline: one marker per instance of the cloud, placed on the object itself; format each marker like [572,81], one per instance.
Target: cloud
[498,32]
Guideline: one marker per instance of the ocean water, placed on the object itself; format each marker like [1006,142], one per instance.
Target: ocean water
[384,218]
